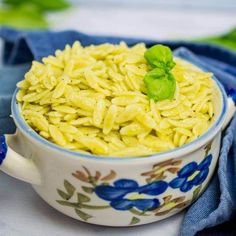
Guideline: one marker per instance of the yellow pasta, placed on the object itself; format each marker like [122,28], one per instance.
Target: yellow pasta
[57,135]
[99,111]
[93,100]
[110,119]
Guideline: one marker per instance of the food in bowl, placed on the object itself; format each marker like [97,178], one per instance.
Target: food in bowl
[94,99]
[116,191]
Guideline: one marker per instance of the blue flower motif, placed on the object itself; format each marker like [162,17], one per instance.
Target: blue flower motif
[3,148]
[232,93]
[192,174]
[126,194]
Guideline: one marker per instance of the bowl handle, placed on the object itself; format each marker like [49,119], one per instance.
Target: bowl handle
[15,165]
[230,112]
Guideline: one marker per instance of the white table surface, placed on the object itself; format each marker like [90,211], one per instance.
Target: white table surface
[22,212]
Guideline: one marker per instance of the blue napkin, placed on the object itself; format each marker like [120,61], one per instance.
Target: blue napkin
[214,211]
[9,76]
[218,203]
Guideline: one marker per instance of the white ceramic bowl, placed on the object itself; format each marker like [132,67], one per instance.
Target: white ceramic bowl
[115,191]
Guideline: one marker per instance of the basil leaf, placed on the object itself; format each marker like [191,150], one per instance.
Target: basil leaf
[160,56]
[160,85]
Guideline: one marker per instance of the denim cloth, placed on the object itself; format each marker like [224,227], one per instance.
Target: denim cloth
[9,76]
[212,213]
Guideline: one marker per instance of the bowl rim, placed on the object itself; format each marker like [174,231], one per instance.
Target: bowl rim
[173,153]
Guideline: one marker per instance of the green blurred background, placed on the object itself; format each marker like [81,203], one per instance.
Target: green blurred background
[38,14]
[29,14]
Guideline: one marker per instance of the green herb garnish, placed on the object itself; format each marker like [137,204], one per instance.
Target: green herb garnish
[160,82]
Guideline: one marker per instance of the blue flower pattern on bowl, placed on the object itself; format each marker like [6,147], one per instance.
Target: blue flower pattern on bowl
[126,194]
[191,175]
[3,148]
[123,194]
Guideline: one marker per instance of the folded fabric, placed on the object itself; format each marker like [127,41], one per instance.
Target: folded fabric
[7,125]
[219,206]
[37,44]
[217,203]
[9,76]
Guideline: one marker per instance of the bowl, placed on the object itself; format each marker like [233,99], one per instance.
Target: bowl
[115,191]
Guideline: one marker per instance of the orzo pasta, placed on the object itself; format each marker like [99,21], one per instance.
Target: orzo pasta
[93,99]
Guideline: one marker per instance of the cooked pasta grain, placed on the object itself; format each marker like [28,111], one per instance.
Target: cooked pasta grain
[93,99]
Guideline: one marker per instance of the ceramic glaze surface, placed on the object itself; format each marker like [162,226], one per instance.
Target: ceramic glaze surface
[150,199]
[114,191]
[121,195]
[118,194]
